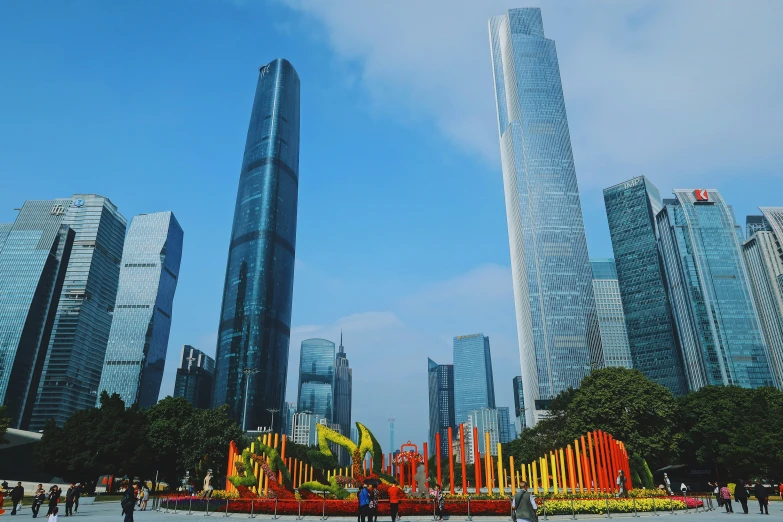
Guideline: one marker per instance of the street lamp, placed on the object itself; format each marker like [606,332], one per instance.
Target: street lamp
[248,372]
[272,411]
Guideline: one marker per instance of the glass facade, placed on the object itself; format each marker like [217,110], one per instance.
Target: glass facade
[194,377]
[316,378]
[486,420]
[631,208]
[440,380]
[709,292]
[506,433]
[343,391]
[611,320]
[255,320]
[139,337]
[519,403]
[555,309]
[764,259]
[474,387]
[34,255]
[77,347]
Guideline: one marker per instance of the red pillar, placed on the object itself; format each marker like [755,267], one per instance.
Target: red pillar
[476,460]
[599,469]
[437,456]
[426,463]
[463,459]
[451,463]
[605,459]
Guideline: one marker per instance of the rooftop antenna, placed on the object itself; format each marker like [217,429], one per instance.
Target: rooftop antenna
[391,433]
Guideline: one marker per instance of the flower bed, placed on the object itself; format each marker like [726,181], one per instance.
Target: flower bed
[411,507]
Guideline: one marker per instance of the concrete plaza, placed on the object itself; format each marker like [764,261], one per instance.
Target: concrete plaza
[111,511]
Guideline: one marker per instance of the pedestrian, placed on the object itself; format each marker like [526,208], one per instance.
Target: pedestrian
[374,497]
[76,494]
[69,500]
[54,498]
[145,497]
[364,503]
[439,502]
[621,480]
[394,501]
[725,494]
[763,497]
[128,503]
[53,515]
[716,492]
[17,494]
[524,505]
[741,495]
[38,500]
[780,490]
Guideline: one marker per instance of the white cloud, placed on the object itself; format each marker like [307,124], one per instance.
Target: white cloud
[668,89]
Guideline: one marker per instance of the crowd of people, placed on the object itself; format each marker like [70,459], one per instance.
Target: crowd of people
[52,498]
[742,492]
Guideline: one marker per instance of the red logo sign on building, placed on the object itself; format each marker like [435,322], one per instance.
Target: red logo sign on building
[701,195]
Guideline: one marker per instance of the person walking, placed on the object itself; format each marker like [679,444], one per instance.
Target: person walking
[76,494]
[145,497]
[716,491]
[54,499]
[524,505]
[725,494]
[128,503]
[38,500]
[439,502]
[69,500]
[53,515]
[394,501]
[621,480]
[364,503]
[375,496]
[17,494]
[763,497]
[741,495]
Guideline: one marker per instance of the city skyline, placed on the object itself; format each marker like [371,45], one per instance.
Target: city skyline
[395,301]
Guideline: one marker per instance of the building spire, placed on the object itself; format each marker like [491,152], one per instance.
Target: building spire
[341,341]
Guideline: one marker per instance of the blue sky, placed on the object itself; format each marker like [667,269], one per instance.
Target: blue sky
[402,233]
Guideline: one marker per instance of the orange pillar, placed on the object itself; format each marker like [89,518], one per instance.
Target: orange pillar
[585,465]
[605,461]
[571,469]
[231,449]
[437,457]
[282,456]
[294,473]
[593,473]
[476,460]
[401,465]
[451,463]
[464,458]
[426,463]
[599,472]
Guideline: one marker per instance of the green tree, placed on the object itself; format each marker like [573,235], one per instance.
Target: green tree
[110,440]
[4,421]
[619,401]
[736,432]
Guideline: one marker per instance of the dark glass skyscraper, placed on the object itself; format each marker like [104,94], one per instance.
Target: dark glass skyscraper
[77,347]
[316,378]
[553,293]
[440,380]
[343,390]
[631,208]
[34,255]
[255,319]
[194,377]
[139,337]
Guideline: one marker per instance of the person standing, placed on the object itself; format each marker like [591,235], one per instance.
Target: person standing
[17,494]
[725,495]
[128,503]
[145,497]
[763,497]
[439,502]
[54,498]
[76,494]
[374,497]
[524,505]
[69,500]
[394,501]
[364,503]
[38,500]
[741,495]
[621,480]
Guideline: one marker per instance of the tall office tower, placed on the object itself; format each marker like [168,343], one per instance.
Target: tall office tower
[611,319]
[710,293]
[194,377]
[553,292]
[504,425]
[764,258]
[316,378]
[440,380]
[474,387]
[34,255]
[343,390]
[519,404]
[255,319]
[139,337]
[631,208]
[486,420]
[289,410]
[304,428]
[755,223]
[77,347]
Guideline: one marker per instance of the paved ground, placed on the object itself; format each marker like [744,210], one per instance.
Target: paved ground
[111,511]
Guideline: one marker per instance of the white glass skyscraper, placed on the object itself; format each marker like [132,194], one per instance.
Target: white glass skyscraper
[77,347]
[764,258]
[553,293]
[139,337]
[709,292]
[474,386]
[611,319]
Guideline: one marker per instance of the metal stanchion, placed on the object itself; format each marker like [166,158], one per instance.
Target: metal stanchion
[208,514]
[635,514]
[299,517]
[227,501]
[252,508]
[167,505]
[671,504]
[469,516]
[573,511]
[176,504]
[323,509]
[607,507]
[685,499]
[275,516]
[655,512]
[545,517]
[190,506]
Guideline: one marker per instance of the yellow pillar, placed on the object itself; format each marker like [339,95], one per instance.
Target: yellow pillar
[553,466]
[513,475]
[524,472]
[311,474]
[535,478]
[578,456]
[501,477]
[563,475]
[299,482]
[488,463]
